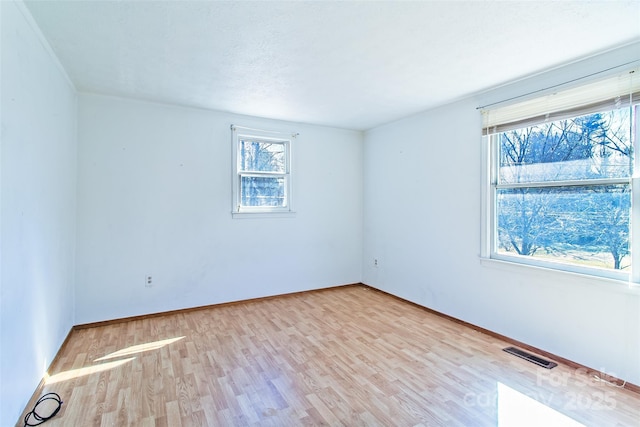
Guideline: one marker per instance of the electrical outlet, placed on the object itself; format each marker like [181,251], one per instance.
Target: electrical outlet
[375,262]
[148,281]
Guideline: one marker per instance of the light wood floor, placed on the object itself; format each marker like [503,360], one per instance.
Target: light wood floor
[348,356]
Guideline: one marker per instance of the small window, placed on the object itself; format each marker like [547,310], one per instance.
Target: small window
[261,172]
[560,184]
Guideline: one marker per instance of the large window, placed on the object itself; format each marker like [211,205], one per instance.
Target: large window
[262,171]
[560,180]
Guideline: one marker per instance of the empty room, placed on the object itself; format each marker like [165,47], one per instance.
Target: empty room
[340,213]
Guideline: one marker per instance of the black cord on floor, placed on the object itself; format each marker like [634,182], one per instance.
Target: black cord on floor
[40,417]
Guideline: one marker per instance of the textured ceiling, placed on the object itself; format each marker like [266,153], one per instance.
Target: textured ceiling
[346,64]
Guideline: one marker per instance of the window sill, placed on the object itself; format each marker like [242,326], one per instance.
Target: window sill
[603,283]
[263,214]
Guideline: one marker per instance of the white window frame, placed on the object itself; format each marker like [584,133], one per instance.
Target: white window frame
[490,187]
[239,133]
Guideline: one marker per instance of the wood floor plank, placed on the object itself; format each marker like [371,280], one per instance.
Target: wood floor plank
[348,356]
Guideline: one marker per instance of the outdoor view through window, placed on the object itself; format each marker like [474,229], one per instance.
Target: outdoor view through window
[263,173]
[562,190]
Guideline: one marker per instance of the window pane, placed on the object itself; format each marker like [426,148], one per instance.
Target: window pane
[579,225]
[588,147]
[262,191]
[259,156]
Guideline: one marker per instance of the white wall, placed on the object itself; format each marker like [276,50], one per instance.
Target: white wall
[38,209]
[422,219]
[155,198]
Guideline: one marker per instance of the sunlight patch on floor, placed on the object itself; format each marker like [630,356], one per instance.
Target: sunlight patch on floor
[139,348]
[516,409]
[75,373]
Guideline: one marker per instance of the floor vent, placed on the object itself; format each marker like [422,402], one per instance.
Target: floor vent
[531,358]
